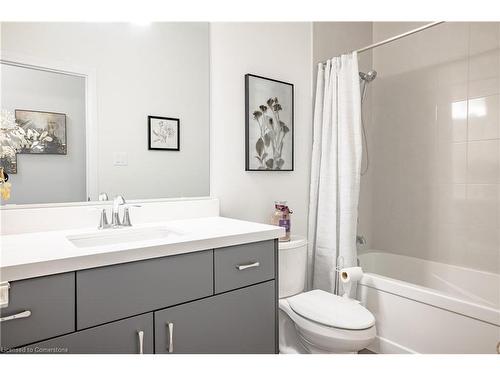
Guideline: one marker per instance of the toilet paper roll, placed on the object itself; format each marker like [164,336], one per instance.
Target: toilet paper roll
[350,274]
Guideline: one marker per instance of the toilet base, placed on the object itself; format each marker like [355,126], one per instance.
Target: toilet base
[289,342]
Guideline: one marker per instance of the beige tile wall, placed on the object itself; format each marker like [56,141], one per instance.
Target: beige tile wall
[434,140]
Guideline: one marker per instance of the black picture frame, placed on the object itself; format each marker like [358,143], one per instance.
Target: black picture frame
[178,123]
[247,124]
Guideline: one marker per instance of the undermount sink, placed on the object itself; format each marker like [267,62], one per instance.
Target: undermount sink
[121,235]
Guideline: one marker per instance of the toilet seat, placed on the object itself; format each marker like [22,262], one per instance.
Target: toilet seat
[331,310]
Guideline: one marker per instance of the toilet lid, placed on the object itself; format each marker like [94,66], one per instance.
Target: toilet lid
[331,310]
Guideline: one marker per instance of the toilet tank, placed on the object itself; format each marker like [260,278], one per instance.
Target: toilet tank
[292,266]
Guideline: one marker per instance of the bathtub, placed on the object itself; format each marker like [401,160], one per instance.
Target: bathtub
[428,307]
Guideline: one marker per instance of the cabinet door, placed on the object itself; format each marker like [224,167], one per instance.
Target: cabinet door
[241,321]
[38,309]
[126,336]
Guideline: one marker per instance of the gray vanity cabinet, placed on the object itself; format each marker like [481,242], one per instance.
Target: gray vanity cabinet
[128,336]
[241,321]
[212,301]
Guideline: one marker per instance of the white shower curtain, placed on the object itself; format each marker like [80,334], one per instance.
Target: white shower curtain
[335,171]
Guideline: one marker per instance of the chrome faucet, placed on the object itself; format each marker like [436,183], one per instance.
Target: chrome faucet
[115,215]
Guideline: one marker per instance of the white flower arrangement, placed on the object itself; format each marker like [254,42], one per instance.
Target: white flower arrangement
[14,138]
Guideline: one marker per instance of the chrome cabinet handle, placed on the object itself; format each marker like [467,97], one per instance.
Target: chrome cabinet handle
[20,315]
[170,347]
[242,267]
[141,341]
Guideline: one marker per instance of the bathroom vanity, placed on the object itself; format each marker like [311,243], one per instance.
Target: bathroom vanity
[212,288]
[175,277]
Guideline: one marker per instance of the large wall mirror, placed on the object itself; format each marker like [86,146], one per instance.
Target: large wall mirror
[120,108]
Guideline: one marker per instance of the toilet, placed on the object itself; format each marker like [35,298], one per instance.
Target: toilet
[316,321]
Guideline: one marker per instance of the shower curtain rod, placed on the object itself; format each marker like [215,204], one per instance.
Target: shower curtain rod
[392,39]
[414,31]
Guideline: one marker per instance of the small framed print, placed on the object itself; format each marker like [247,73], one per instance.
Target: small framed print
[163,133]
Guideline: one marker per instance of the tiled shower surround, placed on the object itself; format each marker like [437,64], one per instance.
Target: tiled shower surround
[433,128]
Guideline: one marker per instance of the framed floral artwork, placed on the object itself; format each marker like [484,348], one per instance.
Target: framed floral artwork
[45,132]
[163,133]
[268,124]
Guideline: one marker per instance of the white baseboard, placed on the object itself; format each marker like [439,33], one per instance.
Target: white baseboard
[383,346]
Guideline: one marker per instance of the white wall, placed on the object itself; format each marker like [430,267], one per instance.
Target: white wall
[48,178]
[281,51]
[159,69]
[335,38]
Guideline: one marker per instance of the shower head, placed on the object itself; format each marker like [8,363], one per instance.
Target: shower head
[368,77]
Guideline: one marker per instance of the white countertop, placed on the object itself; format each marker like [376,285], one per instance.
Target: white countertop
[37,254]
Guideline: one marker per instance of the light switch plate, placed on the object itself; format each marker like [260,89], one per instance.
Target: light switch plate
[4,294]
[120,159]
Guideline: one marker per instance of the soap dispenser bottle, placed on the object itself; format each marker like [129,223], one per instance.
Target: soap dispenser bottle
[281,217]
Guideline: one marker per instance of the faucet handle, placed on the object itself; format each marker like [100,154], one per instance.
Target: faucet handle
[360,240]
[126,217]
[103,222]
[126,214]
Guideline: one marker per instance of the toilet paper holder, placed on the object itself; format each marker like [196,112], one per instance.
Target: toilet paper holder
[338,268]
[343,277]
